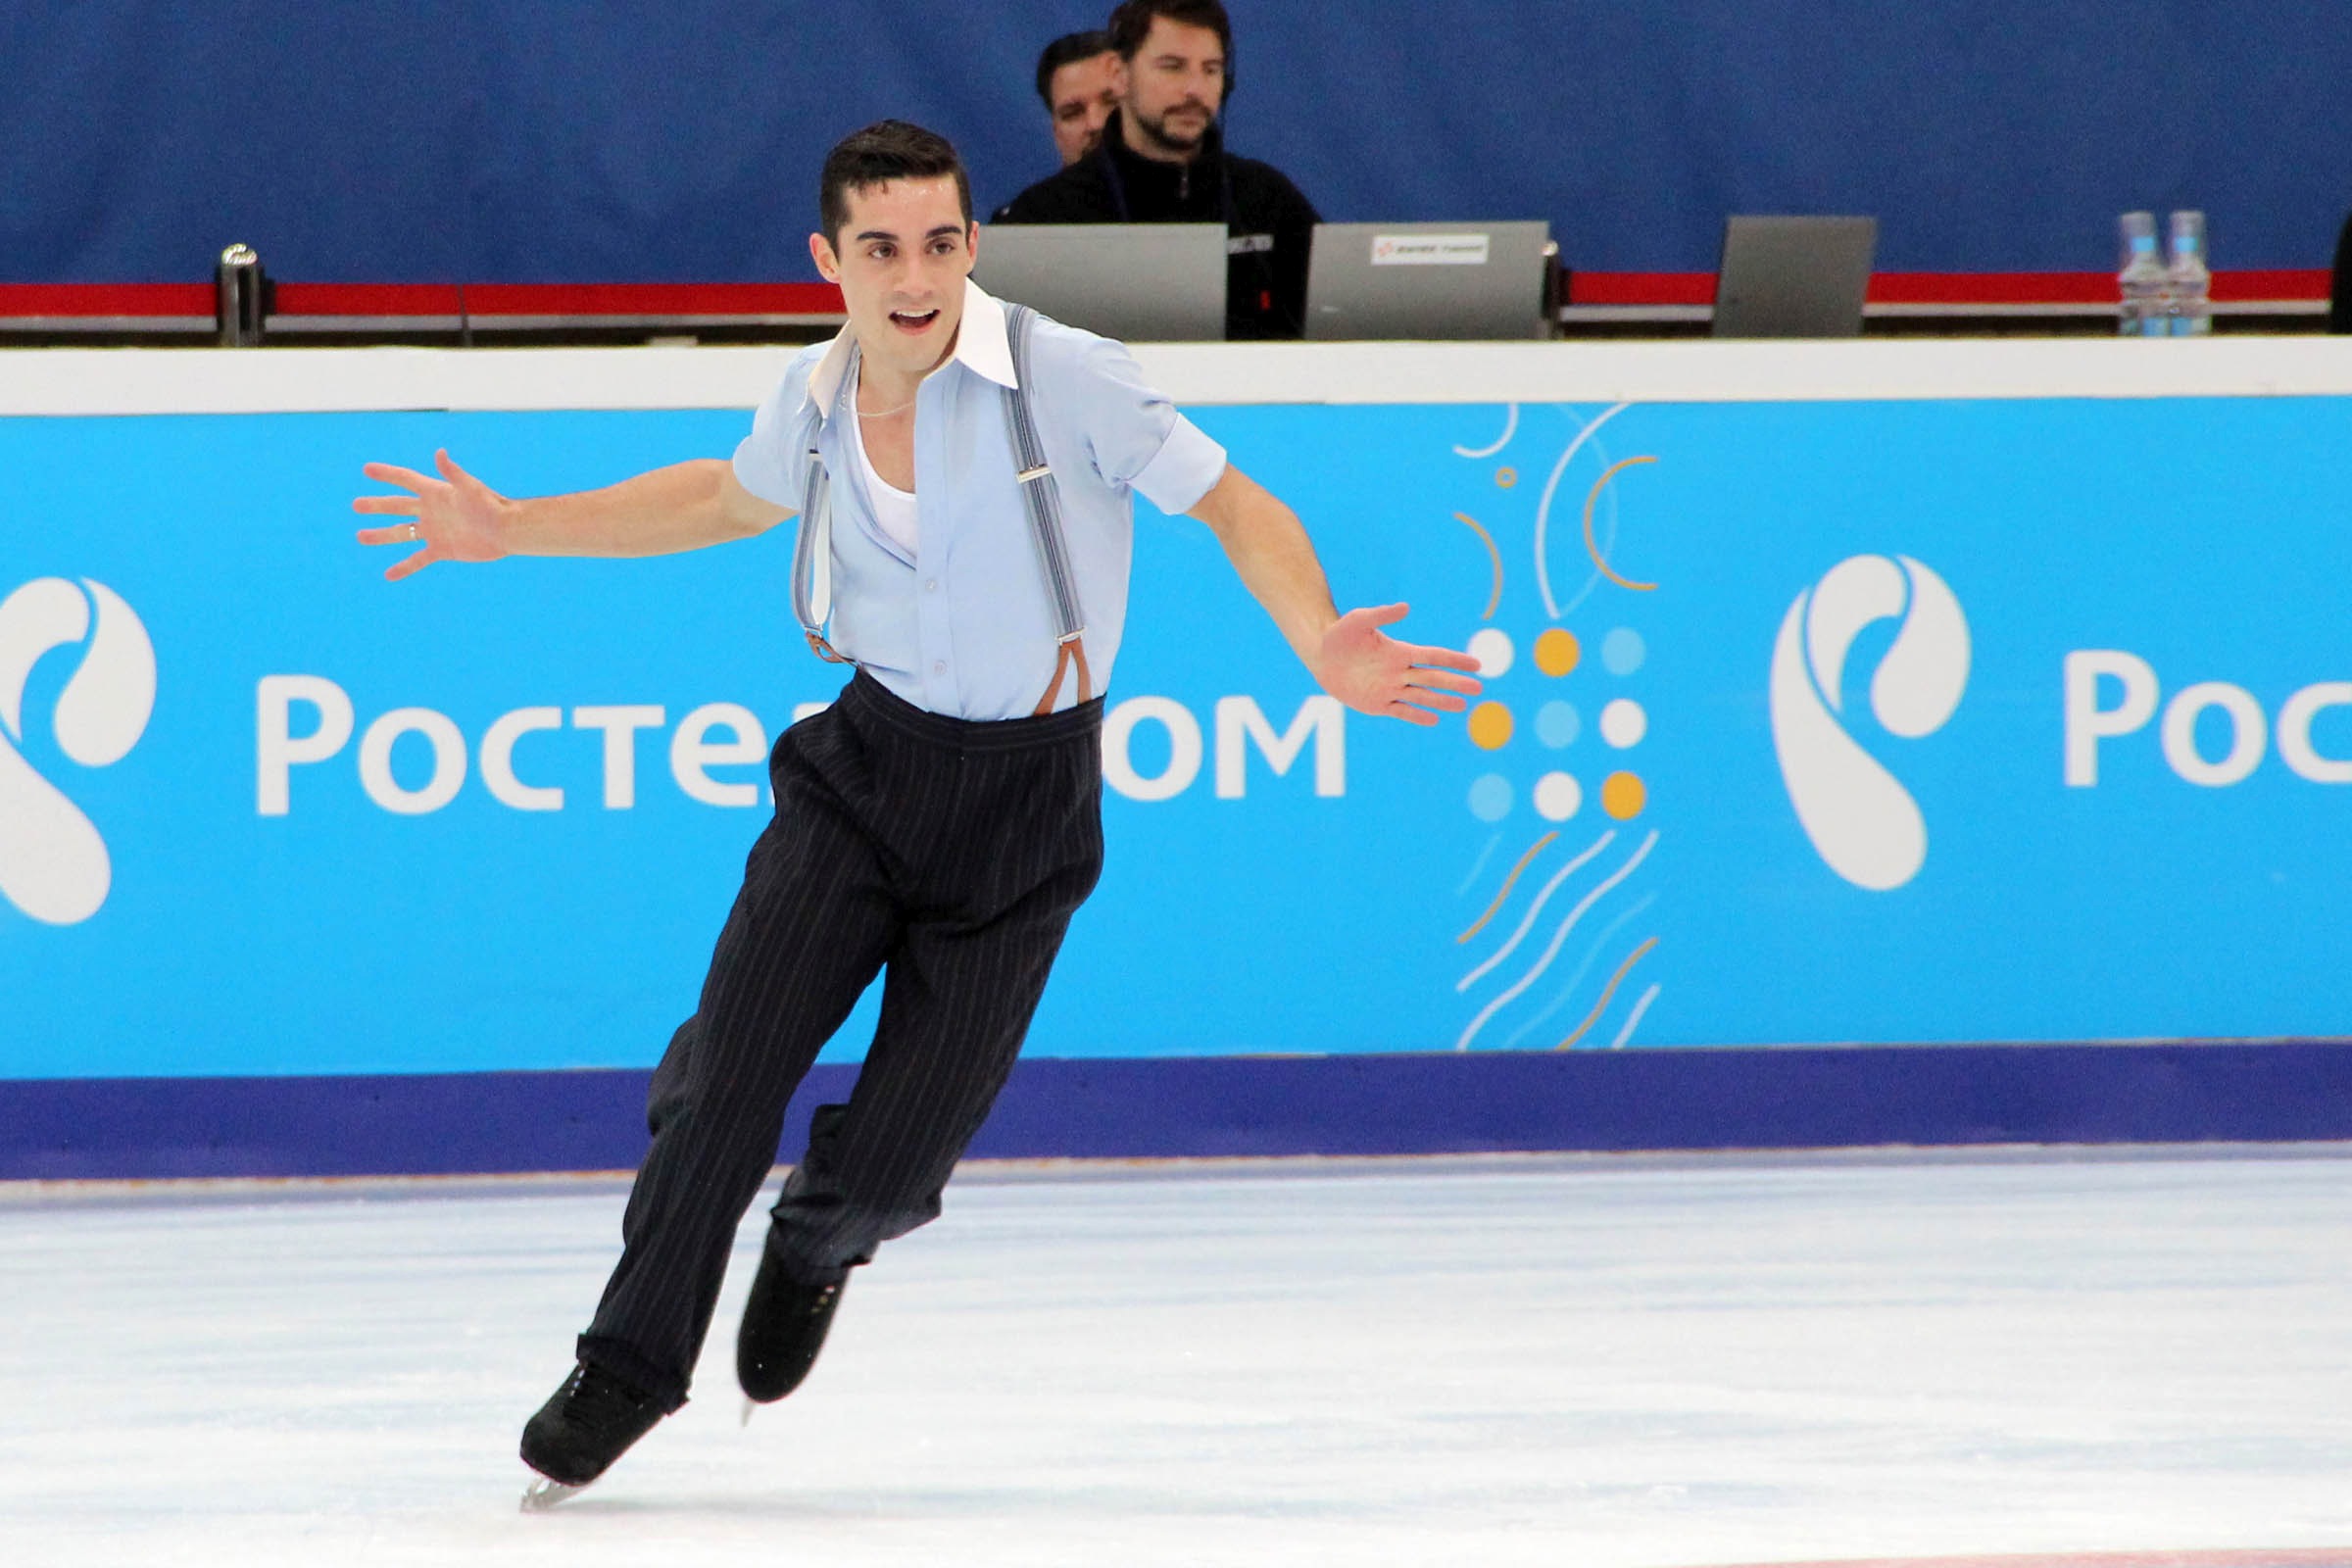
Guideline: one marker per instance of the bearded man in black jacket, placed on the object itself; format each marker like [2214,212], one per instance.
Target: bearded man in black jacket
[1162,160]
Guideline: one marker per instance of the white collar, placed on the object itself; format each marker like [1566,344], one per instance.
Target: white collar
[981,345]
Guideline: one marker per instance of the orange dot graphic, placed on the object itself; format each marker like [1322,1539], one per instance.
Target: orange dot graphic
[1622,795]
[1556,651]
[1506,477]
[1489,725]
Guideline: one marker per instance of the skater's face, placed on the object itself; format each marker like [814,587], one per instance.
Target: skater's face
[901,259]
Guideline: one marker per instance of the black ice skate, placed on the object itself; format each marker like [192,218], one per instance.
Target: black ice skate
[784,1326]
[584,1426]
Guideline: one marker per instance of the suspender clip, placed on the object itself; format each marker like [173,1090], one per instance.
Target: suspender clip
[1038,472]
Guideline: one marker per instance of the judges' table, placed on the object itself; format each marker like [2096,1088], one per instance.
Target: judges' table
[1955,697]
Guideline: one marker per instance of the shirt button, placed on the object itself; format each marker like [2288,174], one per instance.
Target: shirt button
[932,586]
[938,666]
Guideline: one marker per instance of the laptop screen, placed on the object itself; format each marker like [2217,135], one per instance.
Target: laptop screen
[1139,282]
[1429,281]
[1793,276]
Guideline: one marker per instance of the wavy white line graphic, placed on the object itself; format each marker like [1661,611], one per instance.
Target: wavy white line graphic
[1551,605]
[1478,865]
[1558,937]
[1584,968]
[1634,1017]
[1534,910]
[1510,428]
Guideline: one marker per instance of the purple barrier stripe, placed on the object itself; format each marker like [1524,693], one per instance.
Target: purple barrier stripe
[1200,1106]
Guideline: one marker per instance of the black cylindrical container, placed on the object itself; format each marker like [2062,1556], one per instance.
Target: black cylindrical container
[239,304]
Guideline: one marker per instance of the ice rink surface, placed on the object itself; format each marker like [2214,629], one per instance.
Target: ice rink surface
[1582,1361]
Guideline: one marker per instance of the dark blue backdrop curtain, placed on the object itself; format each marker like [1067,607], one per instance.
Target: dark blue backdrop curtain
[502,140]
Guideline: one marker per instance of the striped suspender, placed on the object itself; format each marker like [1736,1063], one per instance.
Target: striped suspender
[813,556]
[1043,498]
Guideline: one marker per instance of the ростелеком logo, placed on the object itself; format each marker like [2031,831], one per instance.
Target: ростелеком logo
[53,865]
[1864,824]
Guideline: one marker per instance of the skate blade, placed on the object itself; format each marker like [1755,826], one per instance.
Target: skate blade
[749,1405]
[542,1494]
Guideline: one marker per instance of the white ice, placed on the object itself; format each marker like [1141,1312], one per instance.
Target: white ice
[1590,1361]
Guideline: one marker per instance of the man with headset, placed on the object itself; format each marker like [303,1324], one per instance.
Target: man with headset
[1162,160]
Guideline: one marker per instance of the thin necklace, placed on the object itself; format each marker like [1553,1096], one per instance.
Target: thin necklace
[879,413]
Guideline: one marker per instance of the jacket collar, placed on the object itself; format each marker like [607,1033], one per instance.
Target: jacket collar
[981,346]
[1113,150]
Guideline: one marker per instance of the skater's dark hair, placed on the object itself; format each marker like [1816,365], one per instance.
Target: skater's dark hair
[887,150]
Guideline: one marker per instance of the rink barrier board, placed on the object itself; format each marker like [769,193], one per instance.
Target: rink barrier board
[396,1112]
[1235,1107]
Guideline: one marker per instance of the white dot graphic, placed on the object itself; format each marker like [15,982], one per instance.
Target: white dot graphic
[1623,723]
[1557,796]
[1492,647]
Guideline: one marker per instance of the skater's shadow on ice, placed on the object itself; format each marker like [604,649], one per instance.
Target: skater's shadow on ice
[974,1503]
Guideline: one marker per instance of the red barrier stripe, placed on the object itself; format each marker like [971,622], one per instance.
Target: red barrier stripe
[652,298]
[1952,288]
[679,300]
[2311,283]
[1991,288]
[367,299]
[106,299]
[1641,289]
[486,300]
[393,300]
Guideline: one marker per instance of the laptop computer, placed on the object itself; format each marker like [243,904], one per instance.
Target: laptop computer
[1139,282]
[1428,280]
[1793,276]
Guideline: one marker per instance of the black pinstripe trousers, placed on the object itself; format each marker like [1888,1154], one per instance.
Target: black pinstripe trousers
[951,854]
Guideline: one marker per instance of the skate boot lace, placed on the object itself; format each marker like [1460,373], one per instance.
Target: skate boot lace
[598,1401]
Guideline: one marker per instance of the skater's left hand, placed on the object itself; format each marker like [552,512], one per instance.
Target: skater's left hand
[1351,657]
[1374,673]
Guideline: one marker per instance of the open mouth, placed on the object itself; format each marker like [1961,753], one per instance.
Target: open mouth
[913,320]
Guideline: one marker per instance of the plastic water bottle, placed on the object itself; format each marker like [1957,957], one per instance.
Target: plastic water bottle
[2143,280]
[2188,303]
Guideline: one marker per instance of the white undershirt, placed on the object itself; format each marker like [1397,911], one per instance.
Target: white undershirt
[894,508]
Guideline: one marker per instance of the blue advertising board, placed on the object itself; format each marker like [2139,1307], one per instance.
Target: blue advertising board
[1896,722]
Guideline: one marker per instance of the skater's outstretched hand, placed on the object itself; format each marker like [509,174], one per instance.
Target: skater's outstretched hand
[1349,654]
[1374,673]
[685,506]
[458,517]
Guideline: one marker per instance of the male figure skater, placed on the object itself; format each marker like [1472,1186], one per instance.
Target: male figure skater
[942,820]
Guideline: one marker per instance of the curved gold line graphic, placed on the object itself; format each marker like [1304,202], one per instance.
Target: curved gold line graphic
[1493,553]
[1593,550]
[1606,992]
[1480,924]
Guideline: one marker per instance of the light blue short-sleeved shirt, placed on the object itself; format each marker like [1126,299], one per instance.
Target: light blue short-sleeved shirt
[964,624]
